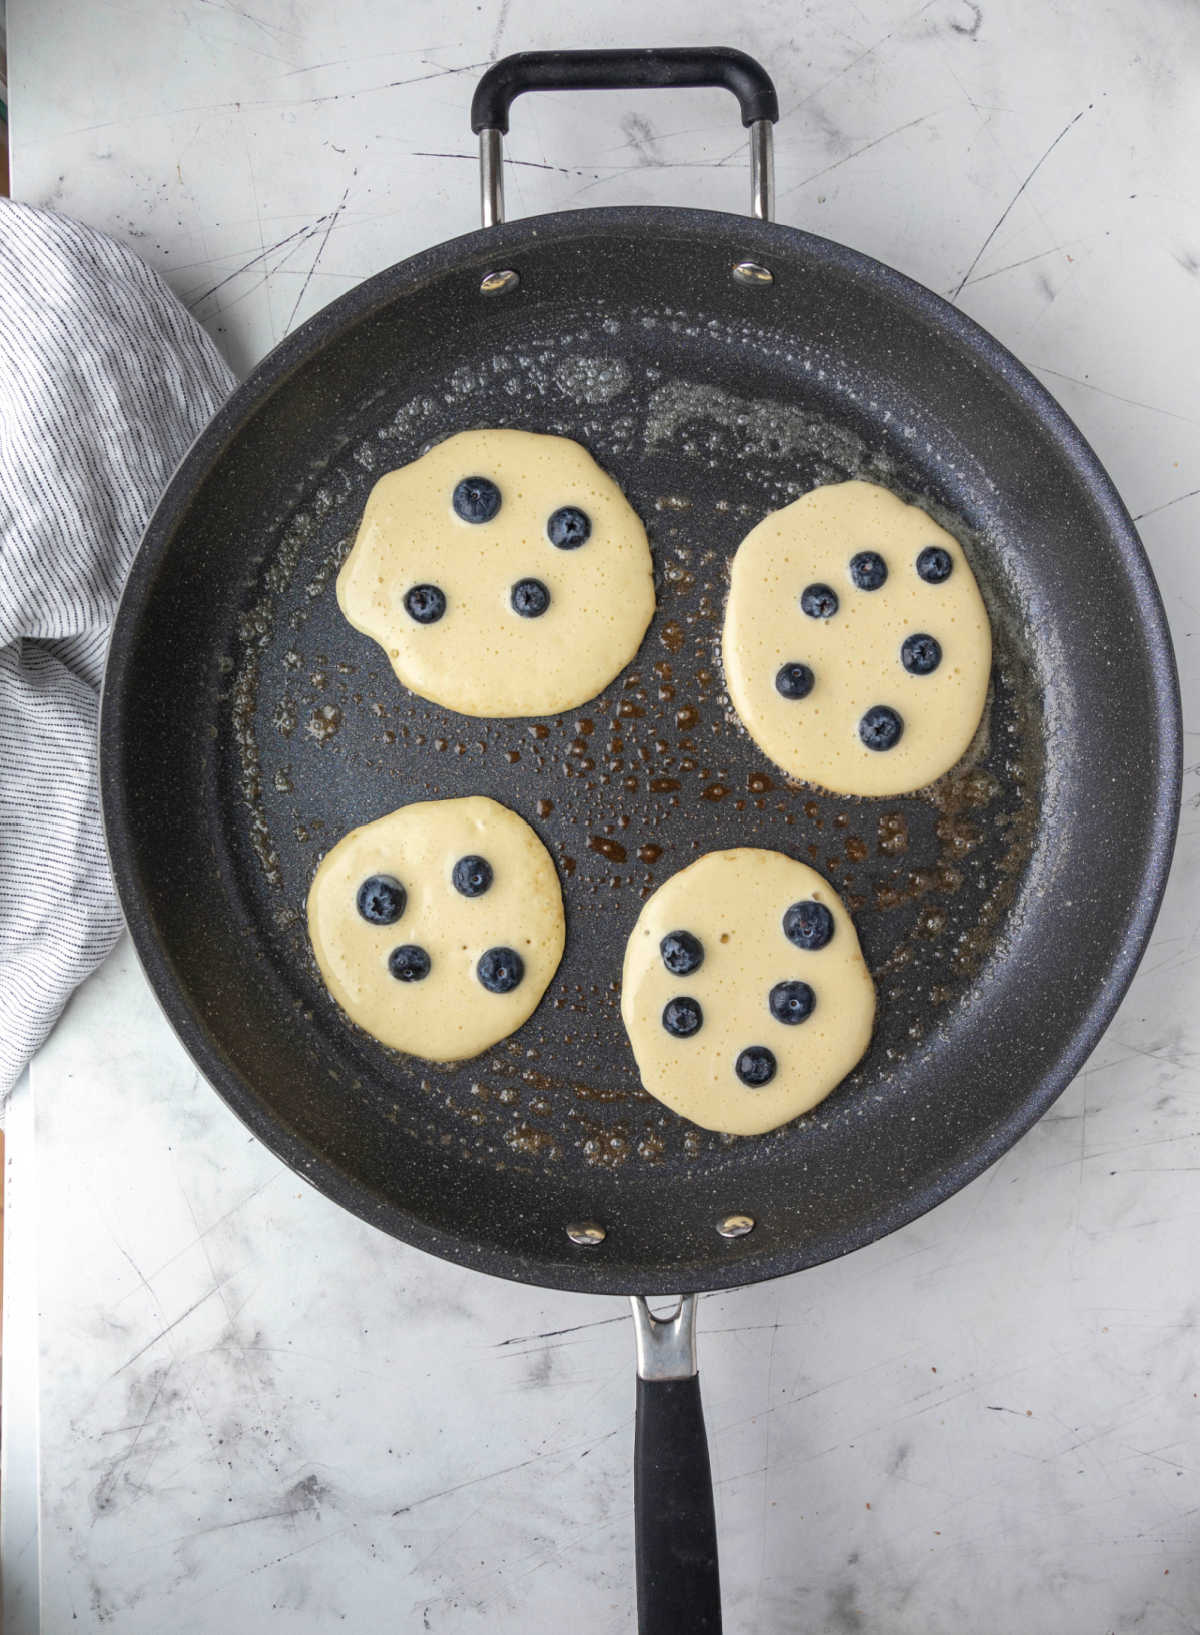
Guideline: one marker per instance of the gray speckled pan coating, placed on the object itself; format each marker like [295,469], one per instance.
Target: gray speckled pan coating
[246,727]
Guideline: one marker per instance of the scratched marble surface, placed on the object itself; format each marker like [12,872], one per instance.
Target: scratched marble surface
[257,1413]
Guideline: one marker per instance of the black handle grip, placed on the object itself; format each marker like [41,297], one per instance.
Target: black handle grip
[678,1581]
[650,69]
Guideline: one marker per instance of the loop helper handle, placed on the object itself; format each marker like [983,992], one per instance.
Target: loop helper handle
[650,69]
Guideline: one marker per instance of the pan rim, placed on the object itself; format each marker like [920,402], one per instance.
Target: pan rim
[728,1265]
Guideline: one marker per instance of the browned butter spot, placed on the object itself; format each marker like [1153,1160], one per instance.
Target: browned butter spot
[612,849]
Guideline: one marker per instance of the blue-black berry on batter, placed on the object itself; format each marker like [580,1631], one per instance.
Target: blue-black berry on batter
[500,969]
[921,654]
[681,953]
[819,601]
[682,1017]
[881,727]
[476,499]
[530,598]
[794,680]
[425,603]
[755,1066]
[868,570]
[934,565]
[471,876]
[791,1002]
[569,528]
[409,963]
[381,899]
[808,925]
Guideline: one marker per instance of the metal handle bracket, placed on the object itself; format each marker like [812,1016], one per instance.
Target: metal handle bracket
[666,1346]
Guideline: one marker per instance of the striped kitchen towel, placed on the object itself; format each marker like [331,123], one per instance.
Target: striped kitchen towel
[104,382]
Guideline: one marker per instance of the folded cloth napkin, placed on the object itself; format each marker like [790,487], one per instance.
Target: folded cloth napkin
[104,382]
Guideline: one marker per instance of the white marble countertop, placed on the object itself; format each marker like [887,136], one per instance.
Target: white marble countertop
[257,1413]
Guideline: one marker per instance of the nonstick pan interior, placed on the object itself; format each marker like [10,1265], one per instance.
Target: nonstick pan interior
[247,727]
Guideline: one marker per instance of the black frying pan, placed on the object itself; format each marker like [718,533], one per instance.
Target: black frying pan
[718,366]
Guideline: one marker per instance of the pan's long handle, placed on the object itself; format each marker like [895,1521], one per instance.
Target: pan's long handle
[651,69]
[678,1582]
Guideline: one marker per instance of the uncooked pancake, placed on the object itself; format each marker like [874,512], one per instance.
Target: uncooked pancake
[503,573]
[856,647]
[745,994]
[437,927]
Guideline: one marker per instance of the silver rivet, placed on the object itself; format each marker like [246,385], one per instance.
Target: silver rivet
[735,1226]
[753,273]
[499,283]
[587,1234]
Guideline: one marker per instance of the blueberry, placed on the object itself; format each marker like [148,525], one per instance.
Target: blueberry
[476,499]
[819,601]
[755,1066]
[794,680]
[381,899]
[500,969]
[791,1002]
[530,598]
[425,603]
[934,565]
[808,925]
[868,570]
[880,728]
[569,528]
[681,953]
[409,963]
[921,655]
[682,1017]
[472,876]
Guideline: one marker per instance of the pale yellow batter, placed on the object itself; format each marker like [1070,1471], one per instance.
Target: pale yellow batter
[732,906]
[479,656]
[854,656]
[446,1013]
